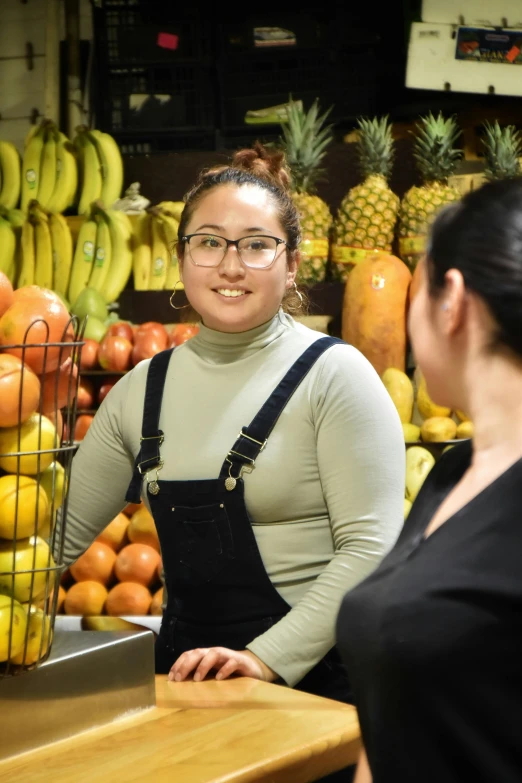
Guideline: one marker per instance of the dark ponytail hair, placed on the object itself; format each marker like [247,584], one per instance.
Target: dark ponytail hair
[481,236]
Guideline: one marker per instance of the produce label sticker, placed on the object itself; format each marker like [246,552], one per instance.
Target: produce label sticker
[377,282]
[489,46]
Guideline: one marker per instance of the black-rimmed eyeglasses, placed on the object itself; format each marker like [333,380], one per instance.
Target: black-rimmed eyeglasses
[256,252]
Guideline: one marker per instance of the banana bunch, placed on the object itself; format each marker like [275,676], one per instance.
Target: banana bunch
[155,263]
[10,175]
[49,169]
[103,254]
[101,168]
[46,250]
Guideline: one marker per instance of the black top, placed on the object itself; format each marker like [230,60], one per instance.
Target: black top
[433,639]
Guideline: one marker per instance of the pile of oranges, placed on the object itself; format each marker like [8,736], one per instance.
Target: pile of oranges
[120,573]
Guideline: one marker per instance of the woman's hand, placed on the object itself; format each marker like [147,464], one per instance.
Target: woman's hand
[225,661]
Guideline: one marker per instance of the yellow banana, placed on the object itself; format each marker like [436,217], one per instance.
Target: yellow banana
[91,179]
[142,253]
[16,220]
[7,247]
[169,226]
[47,166]
[27,260]
[11,175]
[160,256]
[174,207]
[43,265]
[111,165]
[82,260]
[62,243]
[33,129]
[66,184]
[120,269]
[31,168]
[103,254]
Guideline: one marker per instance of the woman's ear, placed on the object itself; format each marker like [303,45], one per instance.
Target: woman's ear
[453,300]
[293,265]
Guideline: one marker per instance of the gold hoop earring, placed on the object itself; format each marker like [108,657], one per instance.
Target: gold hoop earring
[174,307]
[299,294]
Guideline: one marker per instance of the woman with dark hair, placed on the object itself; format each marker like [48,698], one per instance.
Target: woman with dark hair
[270,456]
[433,637]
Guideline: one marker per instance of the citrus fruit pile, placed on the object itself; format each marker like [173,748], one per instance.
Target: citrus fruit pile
[119,574]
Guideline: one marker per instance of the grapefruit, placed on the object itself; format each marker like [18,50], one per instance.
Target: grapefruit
[23,507]
[13,625]
[157,600]
[96,564]
[86,599]
[37,433]
[38,639]
[15,377]
[23,571]
[37,320]
[115,534]
[142,529]
[58,388]
[6,293]
[137,563]
[128,598]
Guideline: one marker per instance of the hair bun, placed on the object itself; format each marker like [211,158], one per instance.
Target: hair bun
[264,163]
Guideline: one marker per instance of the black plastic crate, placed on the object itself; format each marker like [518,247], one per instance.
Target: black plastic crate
[173,141]
[345,80]
[158,98]
[135,32]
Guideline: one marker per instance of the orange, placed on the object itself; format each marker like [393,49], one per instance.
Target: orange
[155,607]
[37,320]
[13,624]
[39,638]
[6,293]
[137,563]
[16,377]
[32,557]
[37,433]
[115,534]
[83,423]
[128,598]
[142,529]
[96,564]
[130,508]
[86,599]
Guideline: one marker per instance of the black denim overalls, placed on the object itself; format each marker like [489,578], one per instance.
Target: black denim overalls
[219,593]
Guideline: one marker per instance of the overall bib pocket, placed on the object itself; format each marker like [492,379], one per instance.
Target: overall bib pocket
[202,540]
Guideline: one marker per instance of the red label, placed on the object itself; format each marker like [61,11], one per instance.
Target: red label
[512,54]
[168,41]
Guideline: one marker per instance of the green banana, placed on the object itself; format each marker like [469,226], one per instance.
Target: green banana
[10,175]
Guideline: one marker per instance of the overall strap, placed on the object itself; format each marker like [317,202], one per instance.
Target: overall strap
[252,439]
[151,436]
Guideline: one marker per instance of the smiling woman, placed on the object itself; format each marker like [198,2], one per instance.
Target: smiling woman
[261,532]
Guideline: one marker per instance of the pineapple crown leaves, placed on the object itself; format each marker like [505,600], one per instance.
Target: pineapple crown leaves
[502,149]
[434,150]
[375,146]
[305,140]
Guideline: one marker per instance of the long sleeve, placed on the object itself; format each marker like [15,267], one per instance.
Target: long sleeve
[360,452]
[101,472]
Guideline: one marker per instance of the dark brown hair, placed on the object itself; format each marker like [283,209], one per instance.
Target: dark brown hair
[263,168]
[481,236]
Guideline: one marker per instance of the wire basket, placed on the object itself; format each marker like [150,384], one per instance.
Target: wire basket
[38,389]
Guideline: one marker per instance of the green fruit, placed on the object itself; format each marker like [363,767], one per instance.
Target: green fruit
[94,329]
[90,302]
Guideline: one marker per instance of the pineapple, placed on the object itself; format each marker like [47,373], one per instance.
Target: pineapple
[502,150]
[305,141]
[368,213]
[437,158]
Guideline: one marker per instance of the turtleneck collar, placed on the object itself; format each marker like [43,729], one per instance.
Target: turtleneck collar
[225,347]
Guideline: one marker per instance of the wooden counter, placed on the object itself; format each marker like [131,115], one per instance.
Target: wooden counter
[235,731]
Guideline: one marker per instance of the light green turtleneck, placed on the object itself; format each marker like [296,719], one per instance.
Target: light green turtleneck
[325,498]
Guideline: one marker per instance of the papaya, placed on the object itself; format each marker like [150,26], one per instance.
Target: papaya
[374,310]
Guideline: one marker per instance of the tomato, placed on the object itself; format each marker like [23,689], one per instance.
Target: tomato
[180,333]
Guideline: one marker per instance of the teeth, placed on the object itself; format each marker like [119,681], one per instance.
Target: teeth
[230,292]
